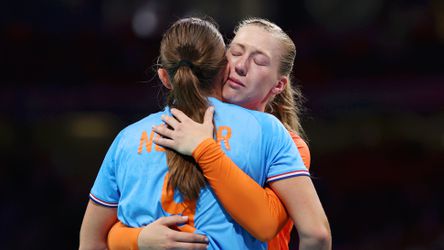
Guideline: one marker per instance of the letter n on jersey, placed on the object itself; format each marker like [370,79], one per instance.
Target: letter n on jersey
[148,142]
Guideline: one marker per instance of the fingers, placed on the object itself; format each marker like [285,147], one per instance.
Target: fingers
[208,117]
[163,131]
[189,237]
[164,142]
[182,240]
[181,116]
[170,121]
[172,220]
[193,246]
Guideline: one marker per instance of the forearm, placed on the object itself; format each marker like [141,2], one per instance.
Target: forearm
[318,238]
[314,243]
[256,209]
[304,207]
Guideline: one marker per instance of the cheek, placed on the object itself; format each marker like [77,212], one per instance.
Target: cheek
[230,60]
[263,85]
[226,74]
[260,79]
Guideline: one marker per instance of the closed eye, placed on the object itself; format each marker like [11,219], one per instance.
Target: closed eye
[261,60]
[235,52]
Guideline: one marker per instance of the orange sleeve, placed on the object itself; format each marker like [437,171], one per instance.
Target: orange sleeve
[256,209]
[121,237]
[303,149]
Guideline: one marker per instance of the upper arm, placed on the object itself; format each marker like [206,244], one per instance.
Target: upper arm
[98,219]
[303,205]
[96,223]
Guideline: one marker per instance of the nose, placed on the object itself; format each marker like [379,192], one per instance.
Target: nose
[240,66]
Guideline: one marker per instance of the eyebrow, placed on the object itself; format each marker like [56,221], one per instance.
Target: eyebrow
[255,50]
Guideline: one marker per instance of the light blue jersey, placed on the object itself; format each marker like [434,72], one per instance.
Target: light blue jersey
[133,171]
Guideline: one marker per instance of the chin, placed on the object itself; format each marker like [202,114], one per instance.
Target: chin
[229,99]
[227,96]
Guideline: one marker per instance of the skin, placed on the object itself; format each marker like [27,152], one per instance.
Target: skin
[253,58]
[96,224]
[159,235]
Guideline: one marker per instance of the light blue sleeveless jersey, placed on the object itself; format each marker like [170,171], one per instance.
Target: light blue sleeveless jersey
[132,174]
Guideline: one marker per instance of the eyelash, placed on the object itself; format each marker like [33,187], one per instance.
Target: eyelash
[260,63]
[237,53]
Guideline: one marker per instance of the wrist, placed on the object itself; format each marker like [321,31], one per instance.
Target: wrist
[200,149]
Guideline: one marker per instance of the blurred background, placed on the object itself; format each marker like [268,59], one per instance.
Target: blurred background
[75,72]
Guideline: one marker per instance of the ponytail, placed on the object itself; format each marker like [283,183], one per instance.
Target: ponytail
[193,53]
[185,96]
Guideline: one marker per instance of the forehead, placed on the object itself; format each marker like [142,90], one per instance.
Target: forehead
[256,38]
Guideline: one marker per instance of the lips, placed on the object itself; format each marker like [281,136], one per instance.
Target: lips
[234,83]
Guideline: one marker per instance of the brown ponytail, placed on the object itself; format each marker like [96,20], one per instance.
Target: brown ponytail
[199,44]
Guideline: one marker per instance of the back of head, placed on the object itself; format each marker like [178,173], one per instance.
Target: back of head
[287,105]
[193,53]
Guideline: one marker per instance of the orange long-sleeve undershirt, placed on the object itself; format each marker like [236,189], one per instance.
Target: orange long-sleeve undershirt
[255,208]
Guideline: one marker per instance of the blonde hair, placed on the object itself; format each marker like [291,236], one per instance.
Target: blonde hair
[287,105]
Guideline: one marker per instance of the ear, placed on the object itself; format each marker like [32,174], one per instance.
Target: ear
[164,78]
[280,85]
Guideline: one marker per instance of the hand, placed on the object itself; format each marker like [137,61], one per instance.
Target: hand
[185,134]
[159,236]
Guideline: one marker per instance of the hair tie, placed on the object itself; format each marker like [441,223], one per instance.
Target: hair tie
[179,64]
[184,62]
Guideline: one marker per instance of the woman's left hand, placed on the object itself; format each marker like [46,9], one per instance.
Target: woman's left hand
[185,134]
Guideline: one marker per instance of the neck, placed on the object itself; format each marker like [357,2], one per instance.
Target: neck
[263,104]
[258,107]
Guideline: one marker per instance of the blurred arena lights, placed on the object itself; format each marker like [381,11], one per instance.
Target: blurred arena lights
[145,21]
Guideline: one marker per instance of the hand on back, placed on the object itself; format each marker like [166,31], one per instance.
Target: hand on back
[185,134]
[160,235]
